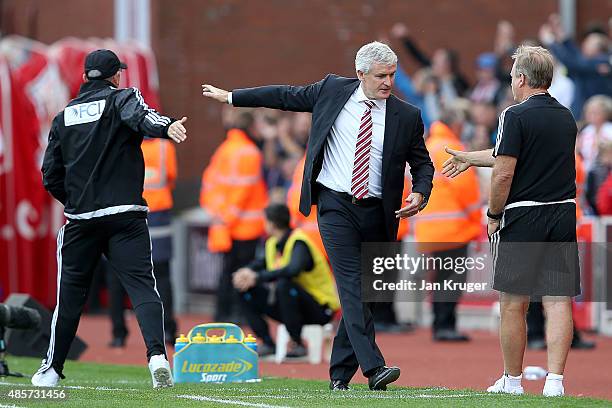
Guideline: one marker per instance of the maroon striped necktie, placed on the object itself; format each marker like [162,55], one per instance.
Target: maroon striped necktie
[361,166]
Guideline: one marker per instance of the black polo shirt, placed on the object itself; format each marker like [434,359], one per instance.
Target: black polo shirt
[541,134]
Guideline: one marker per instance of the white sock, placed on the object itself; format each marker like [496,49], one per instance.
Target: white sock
[514,381]
[554,377]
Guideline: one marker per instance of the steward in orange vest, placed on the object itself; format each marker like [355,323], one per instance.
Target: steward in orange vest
[235,195]
[308,225]
[453,215]
[234,191]
[160,176]
[160,173]
[450,221]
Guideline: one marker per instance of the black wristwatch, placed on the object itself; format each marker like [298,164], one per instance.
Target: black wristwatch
[494,216]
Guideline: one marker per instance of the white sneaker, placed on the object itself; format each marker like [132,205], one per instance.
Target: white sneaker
[48,378]
[503,386]
[553,387]
[160,371]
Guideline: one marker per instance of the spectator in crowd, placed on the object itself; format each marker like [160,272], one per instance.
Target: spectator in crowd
[285,138]
[481,140]
[484,115]
[504,47]
[421,91]
[235,195]
[266,129]
[450,221]
[444,64]
[295,133]
[488,88]
[604,197]
[598,175]
[304,290]
[589,67]
[598,116]
[562,87]
[464,105]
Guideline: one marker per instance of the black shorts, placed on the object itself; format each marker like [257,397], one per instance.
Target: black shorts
[535,251]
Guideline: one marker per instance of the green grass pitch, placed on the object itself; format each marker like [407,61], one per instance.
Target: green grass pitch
[98,385]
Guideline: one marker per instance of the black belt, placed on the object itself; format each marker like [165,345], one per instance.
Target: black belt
[364,202]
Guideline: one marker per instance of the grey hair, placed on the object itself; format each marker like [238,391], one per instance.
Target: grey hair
[454,113]
[374,52]
[536,63]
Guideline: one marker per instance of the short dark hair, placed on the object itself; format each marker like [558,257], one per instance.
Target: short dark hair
[243,119]
[278,215]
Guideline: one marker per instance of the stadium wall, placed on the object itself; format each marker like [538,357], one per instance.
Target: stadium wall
[234,43]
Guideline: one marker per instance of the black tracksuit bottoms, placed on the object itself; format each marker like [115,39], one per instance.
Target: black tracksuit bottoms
[124,240]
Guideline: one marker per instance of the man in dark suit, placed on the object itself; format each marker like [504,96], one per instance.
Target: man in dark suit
[361,139]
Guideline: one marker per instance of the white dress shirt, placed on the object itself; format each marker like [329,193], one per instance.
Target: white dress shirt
[339,159]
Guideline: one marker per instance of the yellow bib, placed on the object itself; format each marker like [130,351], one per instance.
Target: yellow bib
[318,281]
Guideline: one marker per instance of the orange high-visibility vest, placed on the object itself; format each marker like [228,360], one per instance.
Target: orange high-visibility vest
[160,173]
[234,192]
[453,214]
[309,224]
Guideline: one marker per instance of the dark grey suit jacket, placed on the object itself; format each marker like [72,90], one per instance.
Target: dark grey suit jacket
[403,140]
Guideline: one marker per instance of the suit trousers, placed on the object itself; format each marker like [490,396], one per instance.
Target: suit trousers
[344,227]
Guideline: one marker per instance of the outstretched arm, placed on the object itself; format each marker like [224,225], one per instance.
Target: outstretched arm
[461,161]
[137,115]
[283,97]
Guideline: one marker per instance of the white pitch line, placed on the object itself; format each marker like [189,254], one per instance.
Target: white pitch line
[366,396]
[361,396]
[10,406]
[233,402]
[444,396]
[100,388]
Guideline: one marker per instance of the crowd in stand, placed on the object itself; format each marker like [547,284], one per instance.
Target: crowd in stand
[582,82]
